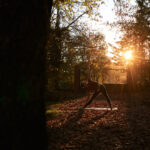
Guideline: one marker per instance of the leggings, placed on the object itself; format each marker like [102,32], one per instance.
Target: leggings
[104,92]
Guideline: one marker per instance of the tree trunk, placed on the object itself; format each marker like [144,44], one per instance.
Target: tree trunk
[130,82]
[76,79]
[24,29]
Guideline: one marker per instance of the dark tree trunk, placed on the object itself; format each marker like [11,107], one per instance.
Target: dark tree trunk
[76,78]
[23,35]
[130,82]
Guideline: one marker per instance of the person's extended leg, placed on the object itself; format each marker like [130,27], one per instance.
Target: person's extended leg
[92,98]
[104,92]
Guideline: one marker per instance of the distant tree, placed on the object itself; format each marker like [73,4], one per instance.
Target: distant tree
[67,12]
[142,33]
[97,58]
[135,25]
[64,15]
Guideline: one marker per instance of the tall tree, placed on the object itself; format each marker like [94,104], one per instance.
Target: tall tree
[142,28]
[135,26]
[142,32]
[24,30]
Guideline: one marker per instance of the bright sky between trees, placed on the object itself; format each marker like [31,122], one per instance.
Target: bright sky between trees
[107,12]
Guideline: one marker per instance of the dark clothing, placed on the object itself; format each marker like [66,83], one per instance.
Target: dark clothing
[102,90]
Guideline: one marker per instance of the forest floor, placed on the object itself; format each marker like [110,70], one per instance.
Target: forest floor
[71,128]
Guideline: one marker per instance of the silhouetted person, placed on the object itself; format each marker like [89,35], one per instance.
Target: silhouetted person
[95,88]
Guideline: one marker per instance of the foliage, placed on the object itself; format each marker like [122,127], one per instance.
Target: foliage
[97,56]
[135,25]
[69,10]
[65,33]
[87,50]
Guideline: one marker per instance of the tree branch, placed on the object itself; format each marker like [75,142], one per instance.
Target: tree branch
[75,20]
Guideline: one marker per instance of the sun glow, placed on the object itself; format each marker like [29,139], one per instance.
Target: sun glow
[109,54]
[128,55]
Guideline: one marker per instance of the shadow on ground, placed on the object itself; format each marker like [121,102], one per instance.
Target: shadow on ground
[124,129]
[138,115]
[85,129]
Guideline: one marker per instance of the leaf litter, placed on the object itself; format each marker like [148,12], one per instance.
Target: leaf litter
[124,129]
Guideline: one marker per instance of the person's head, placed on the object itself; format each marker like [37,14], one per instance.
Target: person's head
[83,84]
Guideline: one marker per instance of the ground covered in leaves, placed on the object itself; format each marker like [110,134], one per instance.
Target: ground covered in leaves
[127,128]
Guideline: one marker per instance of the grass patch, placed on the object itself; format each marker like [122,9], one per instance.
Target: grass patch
[53,112]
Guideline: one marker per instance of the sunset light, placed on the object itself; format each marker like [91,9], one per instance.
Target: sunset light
[109,54]
[128,55]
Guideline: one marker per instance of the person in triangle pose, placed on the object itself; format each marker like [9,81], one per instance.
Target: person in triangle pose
[95,88]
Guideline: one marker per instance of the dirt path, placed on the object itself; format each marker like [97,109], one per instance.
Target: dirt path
[127,128]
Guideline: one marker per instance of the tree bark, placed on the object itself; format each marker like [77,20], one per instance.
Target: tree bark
[76,79]
[24,29]
[130,82]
